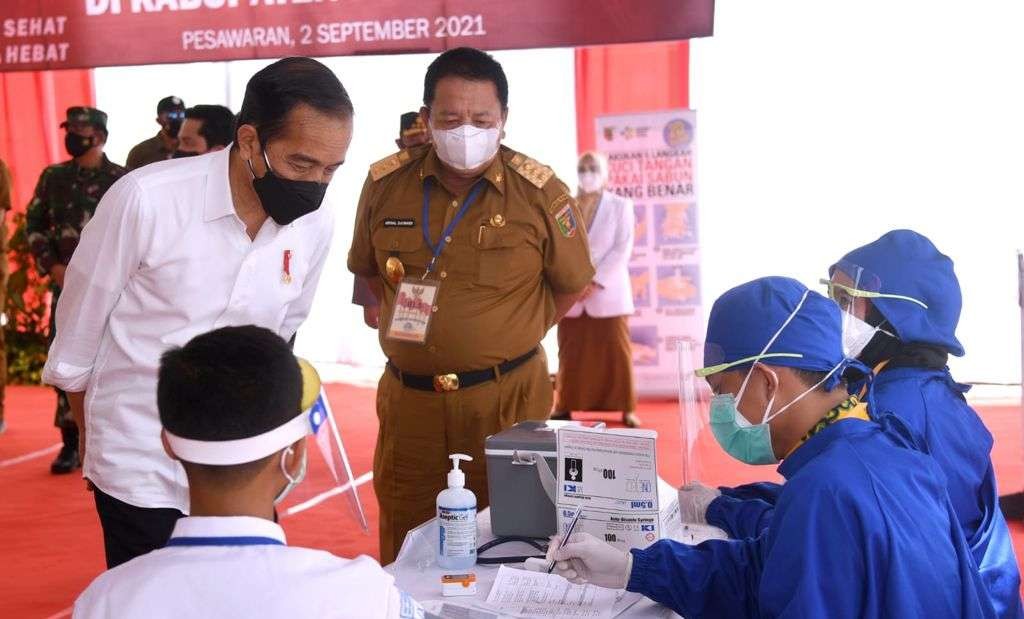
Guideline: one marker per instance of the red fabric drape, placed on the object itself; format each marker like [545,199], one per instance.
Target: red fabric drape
[616,79]
[32,106]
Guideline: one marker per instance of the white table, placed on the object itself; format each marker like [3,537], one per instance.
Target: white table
[416,572]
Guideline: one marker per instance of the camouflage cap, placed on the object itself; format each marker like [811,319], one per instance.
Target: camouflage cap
[81,115]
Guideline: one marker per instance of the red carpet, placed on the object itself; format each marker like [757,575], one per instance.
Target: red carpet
[51,538]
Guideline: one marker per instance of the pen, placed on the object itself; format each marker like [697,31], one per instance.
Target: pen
[568,532]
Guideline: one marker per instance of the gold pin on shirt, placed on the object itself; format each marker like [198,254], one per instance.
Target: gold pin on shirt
[497,220]
[395,269]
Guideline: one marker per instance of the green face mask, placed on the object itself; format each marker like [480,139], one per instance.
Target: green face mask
[737,436]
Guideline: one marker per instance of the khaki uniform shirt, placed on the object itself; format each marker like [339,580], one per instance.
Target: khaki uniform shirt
[520,243]
[147,152]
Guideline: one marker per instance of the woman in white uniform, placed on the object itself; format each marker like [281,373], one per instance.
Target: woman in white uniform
[595,369]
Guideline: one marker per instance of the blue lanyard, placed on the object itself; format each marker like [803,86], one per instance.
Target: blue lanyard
[443,241]
[250,540]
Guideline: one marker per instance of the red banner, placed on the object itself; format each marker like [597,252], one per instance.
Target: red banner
[61,34]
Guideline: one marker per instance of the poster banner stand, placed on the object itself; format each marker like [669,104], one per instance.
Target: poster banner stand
[652,162]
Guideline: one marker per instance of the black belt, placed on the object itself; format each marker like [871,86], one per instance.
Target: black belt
[461,380]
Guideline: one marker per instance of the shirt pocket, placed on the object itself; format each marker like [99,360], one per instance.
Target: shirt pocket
[405,243]
[508,257]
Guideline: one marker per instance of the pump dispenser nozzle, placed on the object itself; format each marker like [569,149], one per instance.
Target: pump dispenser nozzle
[456,477]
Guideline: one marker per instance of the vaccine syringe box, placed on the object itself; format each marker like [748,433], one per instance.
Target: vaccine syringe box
[626,529]
[612,475]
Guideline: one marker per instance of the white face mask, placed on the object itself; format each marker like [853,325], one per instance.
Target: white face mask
[590,182]
[466,147]
[857,334]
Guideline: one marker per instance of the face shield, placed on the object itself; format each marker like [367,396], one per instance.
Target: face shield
[852,287]
[333,478]
[703,459]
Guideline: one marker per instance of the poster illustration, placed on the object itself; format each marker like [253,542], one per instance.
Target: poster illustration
[651,159]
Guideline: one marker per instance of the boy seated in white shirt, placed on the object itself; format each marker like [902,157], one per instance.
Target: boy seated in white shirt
[235,408]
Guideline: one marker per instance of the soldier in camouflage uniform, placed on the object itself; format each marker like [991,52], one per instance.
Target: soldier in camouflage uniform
[65,199]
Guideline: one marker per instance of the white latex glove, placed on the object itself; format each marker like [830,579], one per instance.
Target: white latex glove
[586,559]
[694,499]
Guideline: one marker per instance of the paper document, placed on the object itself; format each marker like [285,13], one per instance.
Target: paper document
[533,594]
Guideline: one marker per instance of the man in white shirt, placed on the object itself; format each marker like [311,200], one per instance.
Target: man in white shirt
[181,247]
[236,408]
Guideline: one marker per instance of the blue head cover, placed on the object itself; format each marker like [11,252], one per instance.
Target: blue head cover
[907,263]
[744,320]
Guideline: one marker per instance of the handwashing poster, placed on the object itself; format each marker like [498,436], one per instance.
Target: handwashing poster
[651,161]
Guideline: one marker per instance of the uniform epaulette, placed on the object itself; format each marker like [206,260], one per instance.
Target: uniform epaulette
[389,164]
[538,174]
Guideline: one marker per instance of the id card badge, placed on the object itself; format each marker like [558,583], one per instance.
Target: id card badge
[414,307]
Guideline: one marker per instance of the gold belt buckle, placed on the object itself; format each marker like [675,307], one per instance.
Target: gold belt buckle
[446,382]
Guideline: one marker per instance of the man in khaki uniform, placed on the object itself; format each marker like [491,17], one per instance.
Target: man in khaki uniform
[411,132]
[506,257]
[170,115]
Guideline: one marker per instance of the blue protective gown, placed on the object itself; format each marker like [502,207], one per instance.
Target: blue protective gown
[933,406]
[862,528]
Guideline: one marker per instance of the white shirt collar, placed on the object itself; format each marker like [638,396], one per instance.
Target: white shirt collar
[218,186]
[227,526]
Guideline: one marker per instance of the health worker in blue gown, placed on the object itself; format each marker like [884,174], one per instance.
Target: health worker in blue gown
[901,302]
[861,528]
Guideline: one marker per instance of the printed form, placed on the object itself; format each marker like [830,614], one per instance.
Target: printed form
[536,594]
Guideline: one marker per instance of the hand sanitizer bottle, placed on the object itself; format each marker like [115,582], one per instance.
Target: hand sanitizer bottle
[456,519]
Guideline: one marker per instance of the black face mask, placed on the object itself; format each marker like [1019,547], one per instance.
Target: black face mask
[77,145]
[178,154]
[173,125]
[283,199]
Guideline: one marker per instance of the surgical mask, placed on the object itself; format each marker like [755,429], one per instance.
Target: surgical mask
[283,199]
[747,442]
[466,147]
[857,334]
[292,481]
[179,154]
[77,145]
[737,436]
[590,182]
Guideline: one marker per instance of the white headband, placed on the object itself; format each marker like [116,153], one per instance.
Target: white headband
[240,451]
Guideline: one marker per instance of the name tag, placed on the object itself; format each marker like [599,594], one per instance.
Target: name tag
[399,223]
[414,308]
